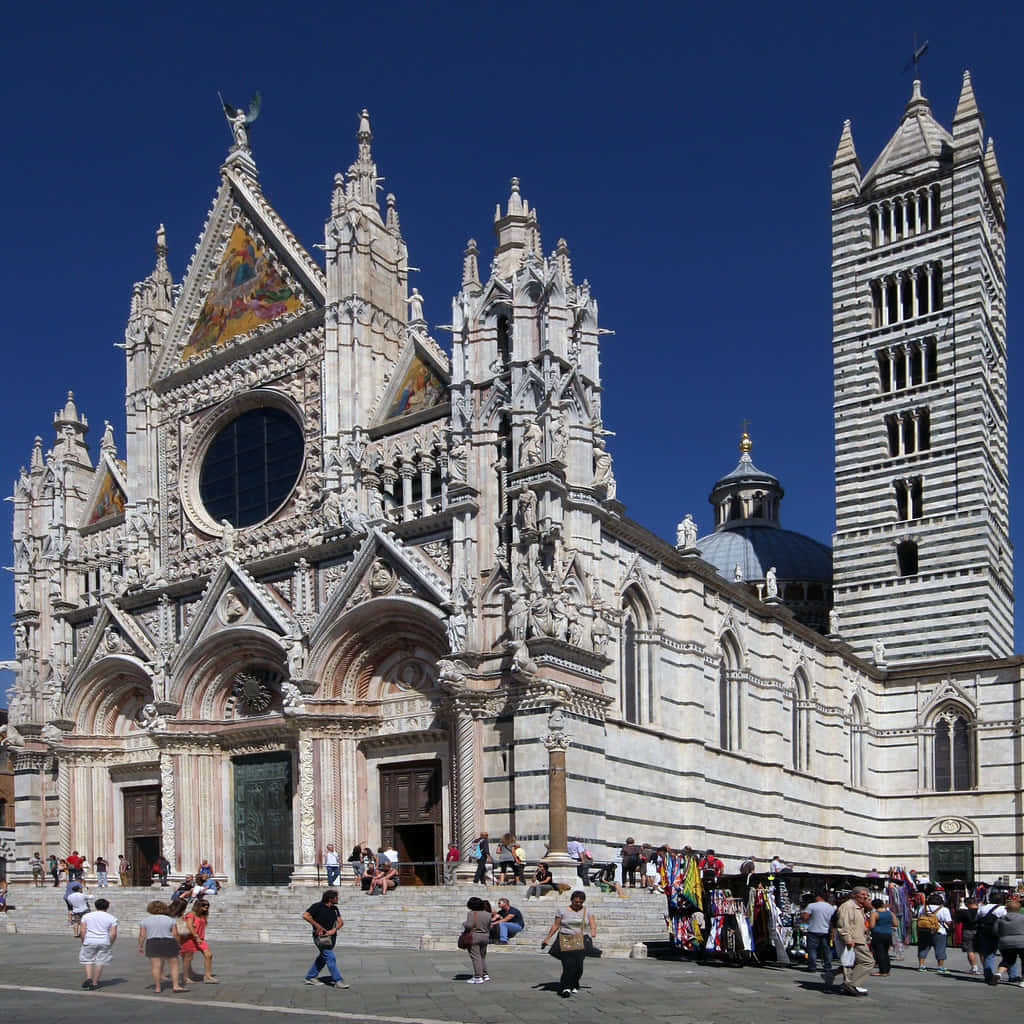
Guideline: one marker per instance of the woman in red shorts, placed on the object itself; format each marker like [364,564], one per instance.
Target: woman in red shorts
[195,942]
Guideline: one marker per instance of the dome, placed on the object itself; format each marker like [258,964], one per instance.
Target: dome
[756,548]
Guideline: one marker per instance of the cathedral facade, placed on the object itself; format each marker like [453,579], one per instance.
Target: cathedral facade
[347,586]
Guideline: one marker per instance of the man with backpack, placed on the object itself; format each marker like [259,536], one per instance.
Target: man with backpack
[481,853]
[986,936]
[933,921]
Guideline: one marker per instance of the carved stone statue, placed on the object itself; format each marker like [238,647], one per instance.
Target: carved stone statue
[771,583]
[450,671]
[458,462]
[559,436]
[878,650]
[291,698]
[458,627]
[227,537]
[241,119]
[530,446]
[833,622]
[526,505]
[151,720]
[521,660]
[737,573]
[518,613]
[686,533]
[603,469]
[415,307]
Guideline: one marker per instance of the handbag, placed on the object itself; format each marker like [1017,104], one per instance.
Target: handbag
[572,942]
[466,939]
[323,941]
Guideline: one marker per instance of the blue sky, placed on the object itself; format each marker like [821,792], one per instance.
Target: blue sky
[682,149]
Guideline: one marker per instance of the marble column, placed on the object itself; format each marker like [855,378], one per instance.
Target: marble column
[304,872]
[557,740]
[465,775]
[167,810]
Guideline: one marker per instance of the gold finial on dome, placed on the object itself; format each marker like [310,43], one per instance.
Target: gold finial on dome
[746,444]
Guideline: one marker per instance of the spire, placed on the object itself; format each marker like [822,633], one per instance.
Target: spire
[562,261]
[968,124]
[392,219]
[36,462]
[107,445]
[154,294]
[518,233]
[71,430]
[470,269]
[362,175]
[69,414]
[917,104]
[992,172]
[845,167]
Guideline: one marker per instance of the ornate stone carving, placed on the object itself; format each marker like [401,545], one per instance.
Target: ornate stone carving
[603,469]
[150,719]
[530,446]
[307,801]
[686,533]
[292,700]
[232,607]
[167,805]
[382,577]
[253,695]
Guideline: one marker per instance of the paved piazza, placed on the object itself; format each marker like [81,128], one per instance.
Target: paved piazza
[40,979]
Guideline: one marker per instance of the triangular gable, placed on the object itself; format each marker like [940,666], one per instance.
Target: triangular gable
[255,607]
[107,497]
[378,544]
[417,391]
[113,632]
[249,276]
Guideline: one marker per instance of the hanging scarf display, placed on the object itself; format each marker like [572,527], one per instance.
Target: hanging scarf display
[680,879]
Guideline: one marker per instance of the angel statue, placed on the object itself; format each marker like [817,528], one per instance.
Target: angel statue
[241,119]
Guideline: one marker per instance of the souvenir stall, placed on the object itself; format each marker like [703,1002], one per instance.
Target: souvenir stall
[680,880]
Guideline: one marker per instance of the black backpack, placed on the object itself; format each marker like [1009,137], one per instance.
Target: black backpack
[987,926]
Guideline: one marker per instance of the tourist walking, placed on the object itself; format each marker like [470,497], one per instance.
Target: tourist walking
[3,895]
[542,883]
[571,923]
[818,916]
[332,865]
[35,862]
[192,932]
[478,925]
[163,869]
[967,918]
[78,903]
[932,922]
[481,853]
[76,863]
[99,932]
[326,922]
[101,873]
[882,923]
[851,927]
[54,869]
[519,863]
[123,868]
[986,933]
[1011,939]
[158,941]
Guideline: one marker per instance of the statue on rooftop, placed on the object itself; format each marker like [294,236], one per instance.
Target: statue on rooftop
[240,119]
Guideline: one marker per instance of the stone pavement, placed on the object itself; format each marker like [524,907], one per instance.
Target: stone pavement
[40,979]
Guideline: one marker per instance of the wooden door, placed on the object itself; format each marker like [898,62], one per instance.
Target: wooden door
[143,831]
[410,811]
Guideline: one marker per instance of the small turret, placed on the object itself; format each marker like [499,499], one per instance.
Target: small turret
[107,445]
[517,232]
[71,430]
[36,461]
[362,175]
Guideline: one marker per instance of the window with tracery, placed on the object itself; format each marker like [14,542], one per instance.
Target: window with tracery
[953,751]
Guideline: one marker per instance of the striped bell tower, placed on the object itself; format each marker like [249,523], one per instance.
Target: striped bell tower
[923,567]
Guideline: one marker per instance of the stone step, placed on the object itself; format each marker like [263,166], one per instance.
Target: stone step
[413,917]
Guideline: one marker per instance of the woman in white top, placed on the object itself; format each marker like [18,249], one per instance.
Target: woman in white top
[99,931]
[571,922]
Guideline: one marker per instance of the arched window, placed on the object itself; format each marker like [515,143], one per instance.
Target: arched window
[801,723]
[730,722]
[953,750]
[856,743]
[636,693]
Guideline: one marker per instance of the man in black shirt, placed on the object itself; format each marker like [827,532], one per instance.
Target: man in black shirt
[506,921]
[326,921]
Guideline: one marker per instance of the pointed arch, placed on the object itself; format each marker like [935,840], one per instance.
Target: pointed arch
[730,692]
[801,735]
[952,736]
[857,722]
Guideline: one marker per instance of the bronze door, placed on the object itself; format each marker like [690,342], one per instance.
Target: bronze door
[143,831]
[263,819]
[410,811]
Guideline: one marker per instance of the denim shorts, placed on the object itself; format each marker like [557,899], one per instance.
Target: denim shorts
[931,940]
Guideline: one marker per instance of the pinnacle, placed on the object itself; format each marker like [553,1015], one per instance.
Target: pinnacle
[917,104]
[846,153]
[967,105]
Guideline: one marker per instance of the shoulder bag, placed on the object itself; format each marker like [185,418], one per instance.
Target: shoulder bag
[466,938]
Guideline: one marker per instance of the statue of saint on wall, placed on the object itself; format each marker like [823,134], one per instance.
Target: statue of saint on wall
[603,469]
[526,506]
[530,446]
[517,613]
[771,583]
[686,533]
[458,460]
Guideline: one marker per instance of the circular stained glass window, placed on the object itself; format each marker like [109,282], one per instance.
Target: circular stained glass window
[251,466]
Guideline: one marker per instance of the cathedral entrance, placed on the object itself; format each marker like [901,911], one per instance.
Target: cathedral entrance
[143,832]
[410,818]
[263,819]
[949,862]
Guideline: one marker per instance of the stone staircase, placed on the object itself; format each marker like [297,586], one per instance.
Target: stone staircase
[411,917]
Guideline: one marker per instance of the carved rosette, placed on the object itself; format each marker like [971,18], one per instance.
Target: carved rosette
[307,801]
